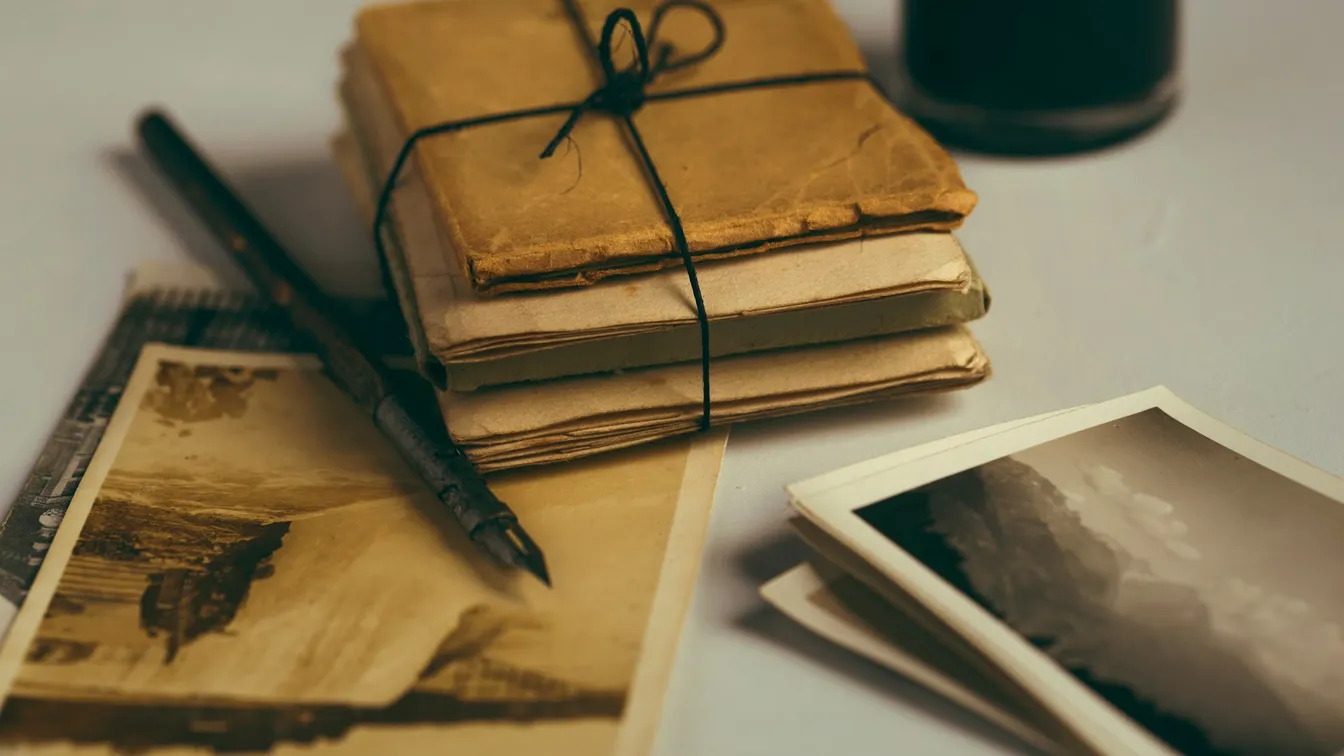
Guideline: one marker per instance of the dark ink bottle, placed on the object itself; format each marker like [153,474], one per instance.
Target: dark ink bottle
[1038,76]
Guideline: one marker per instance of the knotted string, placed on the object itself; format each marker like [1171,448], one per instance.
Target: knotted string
[621,94]
[622,91]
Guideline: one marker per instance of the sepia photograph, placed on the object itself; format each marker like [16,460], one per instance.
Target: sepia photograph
[258,571]
[1194,588]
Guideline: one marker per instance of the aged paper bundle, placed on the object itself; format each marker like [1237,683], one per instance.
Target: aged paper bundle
[801,295]
[247,566]
[748,171]
[491,258]
[534,423]
[1129,577]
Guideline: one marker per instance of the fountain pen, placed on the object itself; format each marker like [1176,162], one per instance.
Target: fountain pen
[352,365]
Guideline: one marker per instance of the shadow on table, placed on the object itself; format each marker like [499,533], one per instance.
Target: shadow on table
[303,201]
[781,554]
[884,64]
[845,422]
[307,207]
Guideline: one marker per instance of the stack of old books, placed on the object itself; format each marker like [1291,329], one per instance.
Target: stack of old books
[547,299]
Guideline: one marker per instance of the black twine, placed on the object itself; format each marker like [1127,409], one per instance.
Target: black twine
[622,94]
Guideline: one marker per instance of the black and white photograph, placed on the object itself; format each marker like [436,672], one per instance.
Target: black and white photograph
[1197,591]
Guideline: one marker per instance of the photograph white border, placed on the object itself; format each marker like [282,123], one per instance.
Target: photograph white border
[1079,707]
[851,474]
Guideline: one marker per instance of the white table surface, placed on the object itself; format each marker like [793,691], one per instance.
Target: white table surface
[1205,257]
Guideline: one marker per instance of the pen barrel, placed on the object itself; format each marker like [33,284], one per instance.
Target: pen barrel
[262,258]
[452,477]
[443,467]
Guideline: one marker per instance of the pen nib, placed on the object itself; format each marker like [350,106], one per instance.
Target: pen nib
[511,545]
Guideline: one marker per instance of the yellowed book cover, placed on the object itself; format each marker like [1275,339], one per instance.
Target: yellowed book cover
[748,170]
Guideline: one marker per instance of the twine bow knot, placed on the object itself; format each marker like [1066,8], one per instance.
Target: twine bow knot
[622,91]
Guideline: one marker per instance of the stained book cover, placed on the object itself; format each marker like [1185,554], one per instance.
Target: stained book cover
[248,566]
[747,170]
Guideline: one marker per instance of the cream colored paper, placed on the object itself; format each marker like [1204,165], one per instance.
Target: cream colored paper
[371,598]
[850,474]
[461,326]
[570,417]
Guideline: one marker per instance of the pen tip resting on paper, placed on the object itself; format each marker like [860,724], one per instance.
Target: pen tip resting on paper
[511,545]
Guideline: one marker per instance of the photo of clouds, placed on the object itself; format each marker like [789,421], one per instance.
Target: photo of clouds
[1197,591]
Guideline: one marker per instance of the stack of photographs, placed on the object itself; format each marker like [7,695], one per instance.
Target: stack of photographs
[1121,578]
